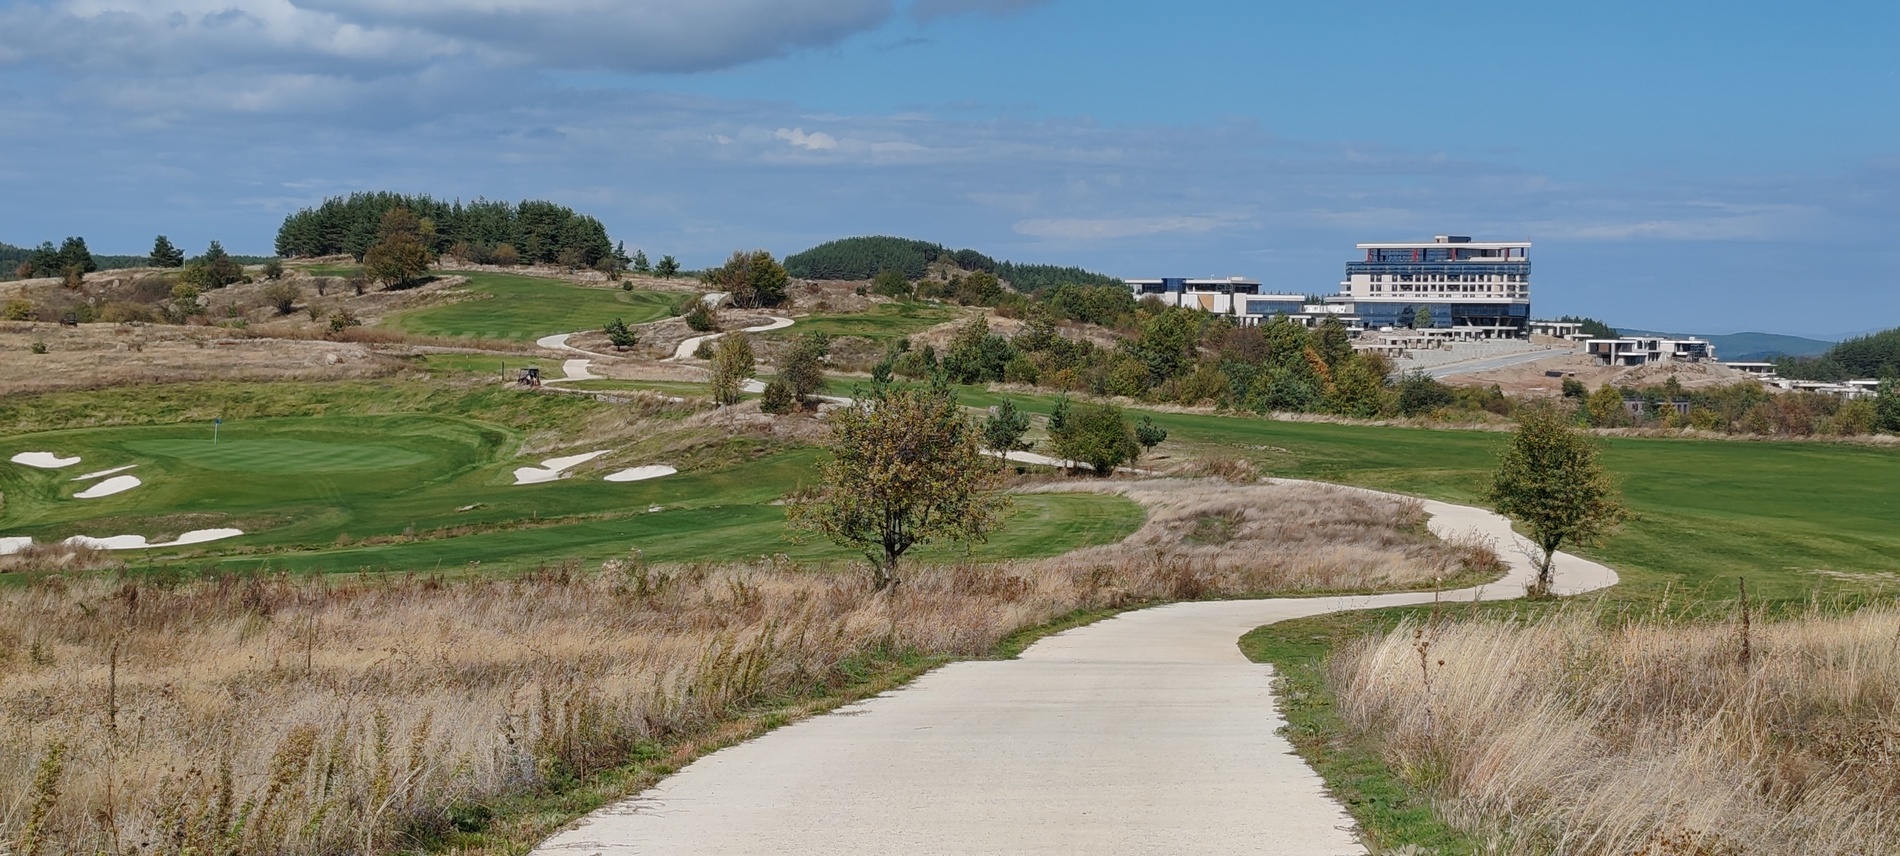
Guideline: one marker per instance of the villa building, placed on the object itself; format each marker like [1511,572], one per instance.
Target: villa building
[1644,350]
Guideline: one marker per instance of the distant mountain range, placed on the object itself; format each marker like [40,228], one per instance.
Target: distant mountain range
[1745,347]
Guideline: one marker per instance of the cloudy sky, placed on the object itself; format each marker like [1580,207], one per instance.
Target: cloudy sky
[1685,165]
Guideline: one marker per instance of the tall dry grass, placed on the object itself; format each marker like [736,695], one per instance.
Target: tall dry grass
[362,714]
[1562,735]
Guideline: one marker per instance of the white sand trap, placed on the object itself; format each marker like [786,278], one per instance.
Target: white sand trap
[44,460]
[9,546]
[553,468]
[137,542]
[104,472]
[651,471]
[116,484]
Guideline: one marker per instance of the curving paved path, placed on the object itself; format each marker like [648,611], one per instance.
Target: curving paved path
[1147,733]
[686,348]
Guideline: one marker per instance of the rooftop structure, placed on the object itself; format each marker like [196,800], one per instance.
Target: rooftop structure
[1477,289]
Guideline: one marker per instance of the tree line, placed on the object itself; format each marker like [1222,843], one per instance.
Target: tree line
[482,231]
[1875,356]
[73,258]
[866,257]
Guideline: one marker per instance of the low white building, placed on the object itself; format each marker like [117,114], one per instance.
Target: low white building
[1644,350]
[1241,299]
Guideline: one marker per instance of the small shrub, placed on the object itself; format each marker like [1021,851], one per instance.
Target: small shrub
[274,269]
[705,349]
[699,318]
[282,295]
[626,286]
[18,309]
[37,347]
[777,398]
[343,319]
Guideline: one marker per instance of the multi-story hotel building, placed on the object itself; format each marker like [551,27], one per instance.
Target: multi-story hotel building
[1476,289]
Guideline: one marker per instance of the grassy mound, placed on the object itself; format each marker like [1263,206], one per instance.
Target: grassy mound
[522,309]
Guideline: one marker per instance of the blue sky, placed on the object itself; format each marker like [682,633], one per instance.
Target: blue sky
[1699,166]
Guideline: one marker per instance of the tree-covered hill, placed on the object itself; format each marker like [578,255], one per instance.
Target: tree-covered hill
[536,231]
[1873,356]
[865,257]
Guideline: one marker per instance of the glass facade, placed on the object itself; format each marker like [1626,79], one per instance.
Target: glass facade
[1273,307]
[1445,315]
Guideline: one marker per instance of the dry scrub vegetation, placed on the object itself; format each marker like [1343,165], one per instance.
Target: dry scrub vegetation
[371,714]
[1282,537]
[1562,735]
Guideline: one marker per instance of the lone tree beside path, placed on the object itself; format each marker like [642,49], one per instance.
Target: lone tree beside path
[905,469]
[1550,480]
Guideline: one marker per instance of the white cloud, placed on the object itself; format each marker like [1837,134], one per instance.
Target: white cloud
[359,37]
[928,9]
[817,141]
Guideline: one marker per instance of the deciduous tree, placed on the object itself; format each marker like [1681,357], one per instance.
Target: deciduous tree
[1092,434]
[401,252]
[905,469]
[1550,480]
[803,370]
[732,363]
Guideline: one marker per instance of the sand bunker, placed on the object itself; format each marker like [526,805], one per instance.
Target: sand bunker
[553,468]
[652,471]
[104,472]
[9,546]
[44,460]
[116,484]
[137,542]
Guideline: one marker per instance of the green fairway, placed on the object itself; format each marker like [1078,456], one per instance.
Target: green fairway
[1792,517]
[1040,525]
[408,491]
[522,309]
[882,321]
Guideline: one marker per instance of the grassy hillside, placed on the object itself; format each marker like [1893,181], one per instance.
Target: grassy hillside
[521,308]
[865,257]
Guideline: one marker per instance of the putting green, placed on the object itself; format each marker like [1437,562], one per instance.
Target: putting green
[279,455]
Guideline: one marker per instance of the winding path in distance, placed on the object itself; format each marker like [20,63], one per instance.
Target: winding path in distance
[1148,733]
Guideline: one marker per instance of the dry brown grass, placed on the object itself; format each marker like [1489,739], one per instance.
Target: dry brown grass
[1561,735]
[96,356]
[353,714]
[1258,538]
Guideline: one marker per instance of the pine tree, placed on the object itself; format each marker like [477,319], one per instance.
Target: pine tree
[165,255]
[640,263]
[621,335]
[668,267]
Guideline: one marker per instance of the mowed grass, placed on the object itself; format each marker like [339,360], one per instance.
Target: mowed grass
[437,491]
[521,308]
[882,321]
[1039,525]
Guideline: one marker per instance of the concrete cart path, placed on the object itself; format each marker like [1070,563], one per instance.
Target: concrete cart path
[688,347]
[1147,733]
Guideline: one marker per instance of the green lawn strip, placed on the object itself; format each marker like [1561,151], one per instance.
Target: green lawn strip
[522,308]
[1040,525]
[499,366]
[1389,811]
